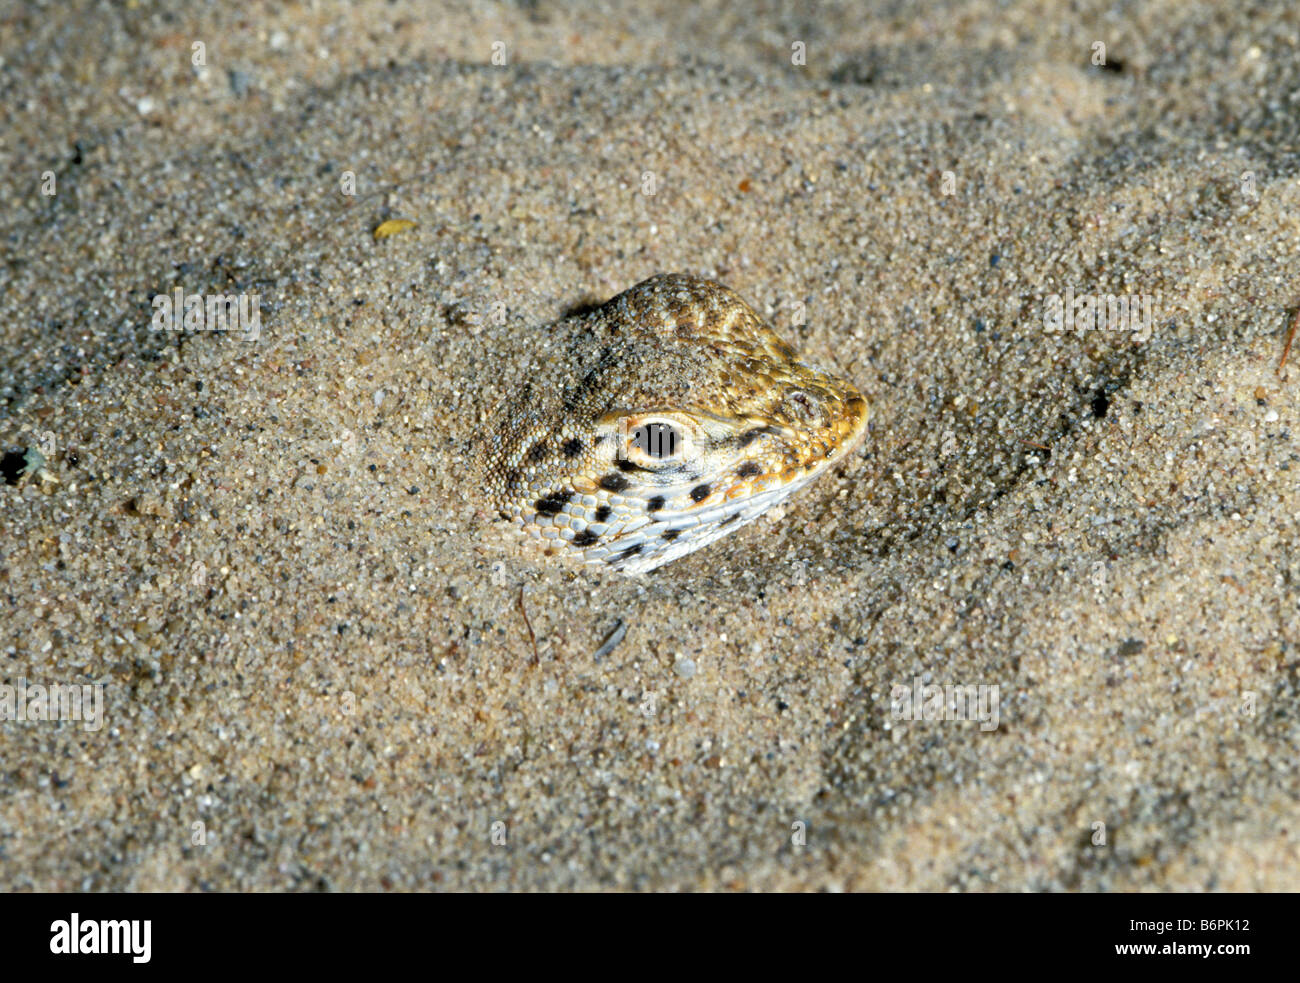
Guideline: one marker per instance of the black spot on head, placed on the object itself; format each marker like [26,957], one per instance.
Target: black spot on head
[668,535]
[613,482]
[729,519]
[585,538]
[630,551]
[553,503]
[700,492]
[577,395]
[655,504]
[537,453]
[602,513]
[572,447]
[749,469]
[749,436]
[629,466]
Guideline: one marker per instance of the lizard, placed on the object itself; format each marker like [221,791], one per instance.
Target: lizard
[658,422]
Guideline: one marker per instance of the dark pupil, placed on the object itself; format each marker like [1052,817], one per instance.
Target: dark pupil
[657,440]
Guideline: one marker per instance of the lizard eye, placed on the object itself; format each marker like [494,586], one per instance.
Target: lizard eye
[656,440]
[653,441]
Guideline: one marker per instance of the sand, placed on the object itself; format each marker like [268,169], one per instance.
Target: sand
[321,669]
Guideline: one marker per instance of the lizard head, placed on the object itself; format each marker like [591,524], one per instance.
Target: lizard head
[666,418]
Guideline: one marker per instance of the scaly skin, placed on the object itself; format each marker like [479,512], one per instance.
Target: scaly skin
[564,458]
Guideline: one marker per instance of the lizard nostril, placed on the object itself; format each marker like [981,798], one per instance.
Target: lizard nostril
[805,408]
